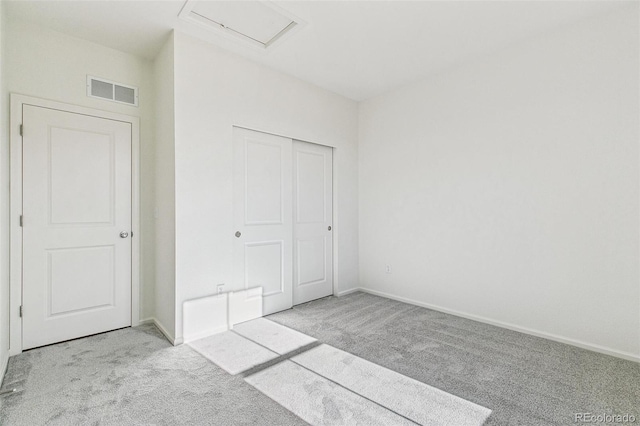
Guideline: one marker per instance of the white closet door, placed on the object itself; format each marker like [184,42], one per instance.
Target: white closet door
[76,204]
[263,250]
[313,209]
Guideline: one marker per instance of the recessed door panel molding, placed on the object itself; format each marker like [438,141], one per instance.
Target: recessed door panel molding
[311,260]
[263,216]
[313,233]
[89,200]
[263,182]
[264,267]
[311,191]
[87,273]
[77,204]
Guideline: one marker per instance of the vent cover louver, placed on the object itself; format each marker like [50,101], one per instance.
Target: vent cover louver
[112,91]
[256,23]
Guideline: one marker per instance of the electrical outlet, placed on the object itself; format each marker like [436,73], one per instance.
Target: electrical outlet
[387,269]
[220,288]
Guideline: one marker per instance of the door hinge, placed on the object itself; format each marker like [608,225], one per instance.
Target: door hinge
[20,221]
[21,130]
[21,311]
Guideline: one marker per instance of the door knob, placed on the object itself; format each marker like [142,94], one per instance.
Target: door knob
[238,233]
[329,228]
[124,234]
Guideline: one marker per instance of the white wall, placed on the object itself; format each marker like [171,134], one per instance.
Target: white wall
[51,65]
[214,91]
[508,189]
[165,284]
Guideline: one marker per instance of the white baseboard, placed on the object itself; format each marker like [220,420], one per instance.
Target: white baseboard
[4,363]
[150,320]
[349,291]
[163,330]
[592,347]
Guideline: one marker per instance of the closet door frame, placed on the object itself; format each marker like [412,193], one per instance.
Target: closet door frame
[335,187]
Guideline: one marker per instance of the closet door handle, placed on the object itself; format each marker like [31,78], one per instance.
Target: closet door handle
[238,233]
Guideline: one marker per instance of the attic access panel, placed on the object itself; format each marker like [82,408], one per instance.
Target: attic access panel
[258,23]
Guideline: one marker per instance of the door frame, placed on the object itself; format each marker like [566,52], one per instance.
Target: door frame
[334,190]
[15,191]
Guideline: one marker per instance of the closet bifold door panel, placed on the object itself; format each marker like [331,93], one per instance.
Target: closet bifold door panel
[263,207]
[312,221]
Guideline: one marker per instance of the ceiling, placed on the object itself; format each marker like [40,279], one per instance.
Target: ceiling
[358,49]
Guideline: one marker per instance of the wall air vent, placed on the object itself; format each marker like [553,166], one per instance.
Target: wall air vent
[111,91]
[256,23]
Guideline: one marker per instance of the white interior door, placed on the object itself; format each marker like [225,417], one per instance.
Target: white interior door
[313,211]
[76,204]
[263,216]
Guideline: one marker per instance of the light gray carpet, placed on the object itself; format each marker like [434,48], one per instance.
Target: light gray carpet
[523,379]
[326,386]
[318,400]
[127,377]
[232,352]
[273,336]
[134,377]
[416,401]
